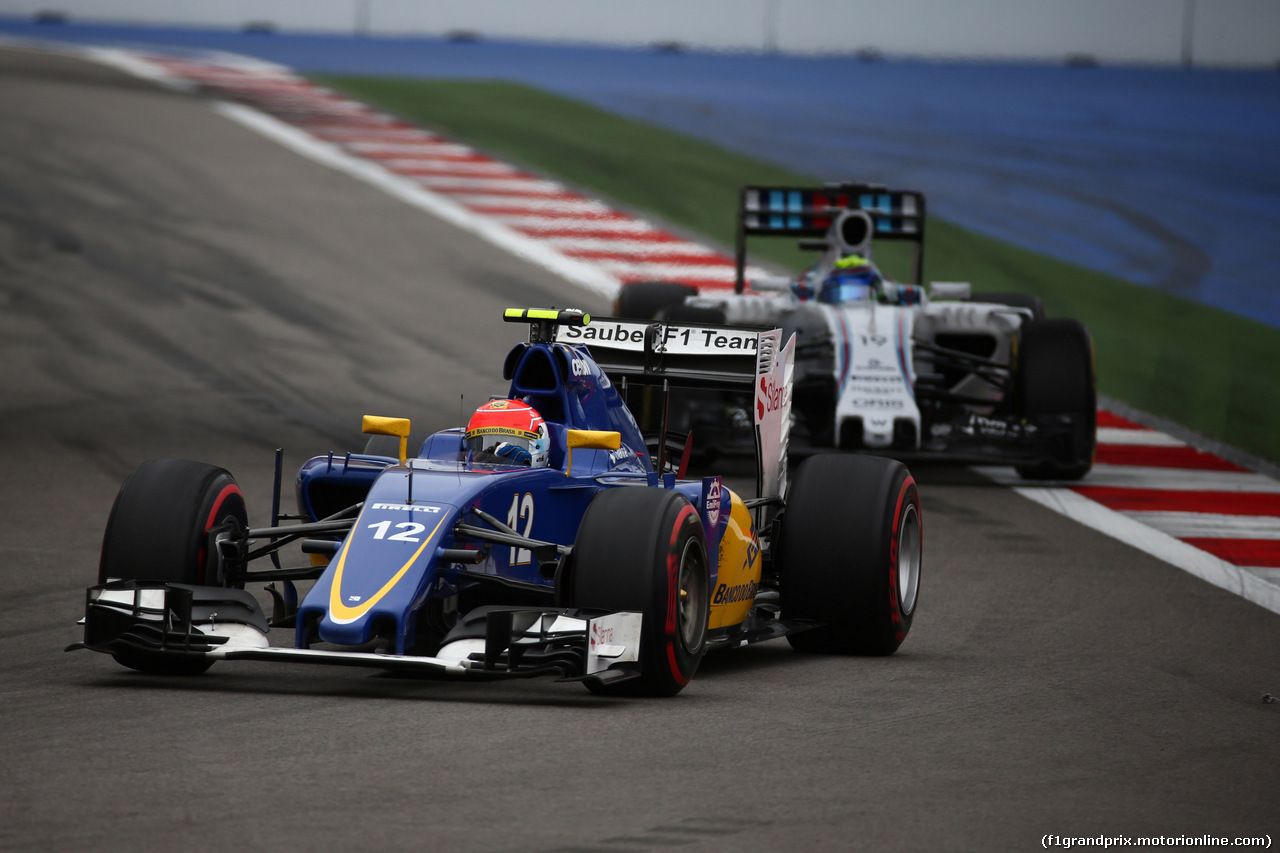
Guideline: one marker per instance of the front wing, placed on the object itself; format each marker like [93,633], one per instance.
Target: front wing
[178,621]
[987,439]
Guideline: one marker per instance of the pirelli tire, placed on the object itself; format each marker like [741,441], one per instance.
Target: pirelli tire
[696,314]
[643,300]
[850,554]
[159,530]
[643,549]
[1056,376]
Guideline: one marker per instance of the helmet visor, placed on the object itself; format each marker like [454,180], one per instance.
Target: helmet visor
[851,286]
[501,446]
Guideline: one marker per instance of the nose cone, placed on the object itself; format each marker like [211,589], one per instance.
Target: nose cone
[385,567]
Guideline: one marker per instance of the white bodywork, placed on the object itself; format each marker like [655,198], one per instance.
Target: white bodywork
[775,365]
[876,363]
[971,318]
[873,368]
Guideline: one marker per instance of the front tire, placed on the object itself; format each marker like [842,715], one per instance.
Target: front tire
[643,549]
[1056,376]
[158,531]
[851,548]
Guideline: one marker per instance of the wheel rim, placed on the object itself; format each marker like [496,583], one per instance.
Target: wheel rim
[909,558]
[228,517]
[691,606]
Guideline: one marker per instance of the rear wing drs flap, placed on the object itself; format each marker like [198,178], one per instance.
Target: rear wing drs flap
[704,356]
[851,215]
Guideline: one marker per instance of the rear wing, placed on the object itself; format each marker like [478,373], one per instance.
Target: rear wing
[685,355]
[847,216]
[735,358]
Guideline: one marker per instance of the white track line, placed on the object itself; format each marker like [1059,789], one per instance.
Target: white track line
[1267,573]
[130,63]
[496,186]
[1206,525]
[623,247]
[1140,477]
[552,223]
[1145,437]
[1243,582]
[428,165]
[659,271]
[423,148]
[342,131]
[412,192]
[532,204]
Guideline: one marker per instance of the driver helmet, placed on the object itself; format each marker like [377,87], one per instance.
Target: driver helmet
[852,279]
[508,432]
[802,286]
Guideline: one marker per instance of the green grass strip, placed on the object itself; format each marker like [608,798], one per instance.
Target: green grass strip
[1207,369]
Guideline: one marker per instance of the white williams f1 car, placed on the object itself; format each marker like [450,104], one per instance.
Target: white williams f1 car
[889,367]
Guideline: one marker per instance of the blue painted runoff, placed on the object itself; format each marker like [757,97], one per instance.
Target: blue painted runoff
[1169,178]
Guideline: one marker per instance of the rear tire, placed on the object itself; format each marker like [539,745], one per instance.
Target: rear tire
[696,314]
[644,549]
[851,547]
[704,413]
[158,531]
[642,300]
[1056,377]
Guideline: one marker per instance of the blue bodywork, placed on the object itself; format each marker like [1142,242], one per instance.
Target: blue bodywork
[391,579]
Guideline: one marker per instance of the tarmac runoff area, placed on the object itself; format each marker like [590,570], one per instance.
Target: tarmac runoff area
[179,286]
[571,234]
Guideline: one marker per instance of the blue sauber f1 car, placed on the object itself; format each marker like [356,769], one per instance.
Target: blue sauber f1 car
[548,537]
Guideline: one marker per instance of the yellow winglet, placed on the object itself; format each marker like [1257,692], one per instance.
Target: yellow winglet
[374,425]
[600,439]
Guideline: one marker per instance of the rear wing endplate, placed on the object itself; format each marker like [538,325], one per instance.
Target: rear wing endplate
[850,214]
[704,356]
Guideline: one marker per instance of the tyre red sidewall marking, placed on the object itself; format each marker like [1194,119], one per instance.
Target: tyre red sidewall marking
[895,606]
[214,514]
[674,553]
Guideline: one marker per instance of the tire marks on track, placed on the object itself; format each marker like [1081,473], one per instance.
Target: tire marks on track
[713,831]
[582,238]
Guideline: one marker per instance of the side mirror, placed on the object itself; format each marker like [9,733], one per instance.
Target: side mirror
[592,439]
[959,290]
[374,425]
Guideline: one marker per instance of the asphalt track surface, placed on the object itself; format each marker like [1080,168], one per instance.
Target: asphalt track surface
[1164,177]
[174,285]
